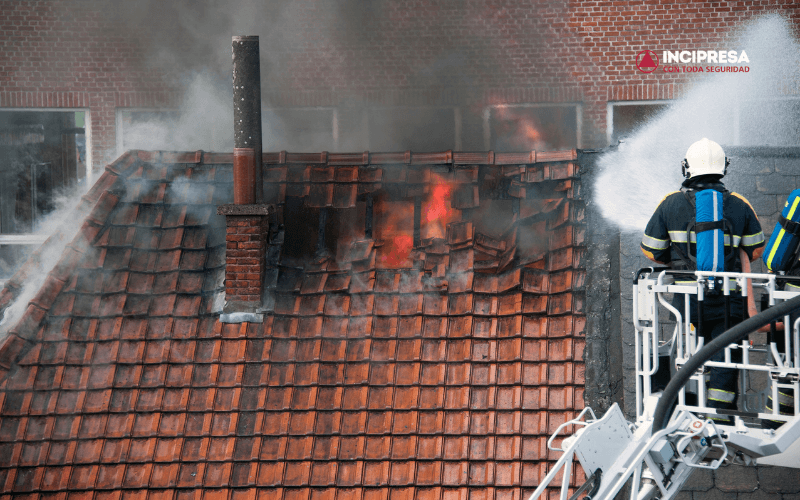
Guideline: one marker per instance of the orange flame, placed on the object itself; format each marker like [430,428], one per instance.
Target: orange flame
[395,226]
[437,211]
[399,250]
[529,131]
[519,130]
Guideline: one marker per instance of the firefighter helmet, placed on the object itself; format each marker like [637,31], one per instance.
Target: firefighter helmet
[704,157]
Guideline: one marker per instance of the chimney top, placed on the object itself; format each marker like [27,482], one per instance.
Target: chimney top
[246,120]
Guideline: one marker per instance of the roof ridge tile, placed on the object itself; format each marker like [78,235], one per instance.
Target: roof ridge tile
[50,289]
[106,182]
[30,322]
[123,165]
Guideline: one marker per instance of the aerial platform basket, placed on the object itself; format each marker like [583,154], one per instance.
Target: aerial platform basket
[675,431]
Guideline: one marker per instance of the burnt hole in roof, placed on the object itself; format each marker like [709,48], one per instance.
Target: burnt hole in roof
[289,279]
[301,225]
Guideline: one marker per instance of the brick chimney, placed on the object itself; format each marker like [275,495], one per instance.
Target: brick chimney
[247,219]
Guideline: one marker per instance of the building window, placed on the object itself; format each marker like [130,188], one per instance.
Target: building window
[415,129]
[767,122]
[529,127]
[43,155]
[283,129]
[625,117]
[757,122]
[300,129]
[141,128]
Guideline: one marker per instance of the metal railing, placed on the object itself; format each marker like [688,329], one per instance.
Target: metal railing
[673,436]
[778,357]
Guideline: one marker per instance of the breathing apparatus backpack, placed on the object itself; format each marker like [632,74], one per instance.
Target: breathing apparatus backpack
[781,252]
[710,228]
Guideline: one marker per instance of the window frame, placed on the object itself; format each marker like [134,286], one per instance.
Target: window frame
[334,118]
[610,105]
[487,117]
[457,125]
[119,132]
[736,111]
[38,239]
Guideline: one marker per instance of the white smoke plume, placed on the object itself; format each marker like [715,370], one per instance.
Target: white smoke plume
[204,121]
[61,227]
[646,166]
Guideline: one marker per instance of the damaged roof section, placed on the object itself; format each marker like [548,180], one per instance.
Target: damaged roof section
[422,338]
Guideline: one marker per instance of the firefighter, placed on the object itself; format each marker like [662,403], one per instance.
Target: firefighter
[670,238]
[781,258]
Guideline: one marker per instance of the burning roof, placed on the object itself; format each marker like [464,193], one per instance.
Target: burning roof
[424,339]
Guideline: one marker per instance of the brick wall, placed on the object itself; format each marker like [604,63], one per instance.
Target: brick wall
[83,53]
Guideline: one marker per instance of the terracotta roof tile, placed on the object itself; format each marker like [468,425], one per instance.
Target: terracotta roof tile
[361,304]
[534,304]
[312,304]
[309,327]
[164,476]
[344,195]
[270,473]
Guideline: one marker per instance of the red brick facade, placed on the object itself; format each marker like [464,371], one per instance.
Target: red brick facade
[67,55]
[467,54]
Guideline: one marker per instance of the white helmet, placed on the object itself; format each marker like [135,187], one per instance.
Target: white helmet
[704,157]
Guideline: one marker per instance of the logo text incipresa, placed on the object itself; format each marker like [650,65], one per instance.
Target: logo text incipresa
[704,56]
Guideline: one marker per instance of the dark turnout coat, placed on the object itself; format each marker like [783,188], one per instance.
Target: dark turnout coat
[666,239]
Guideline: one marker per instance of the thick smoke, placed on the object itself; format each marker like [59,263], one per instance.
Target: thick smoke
[647,165]
[204,121]
[312,49]
[190,41]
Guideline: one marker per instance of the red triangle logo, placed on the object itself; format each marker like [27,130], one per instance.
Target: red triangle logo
[647,61]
